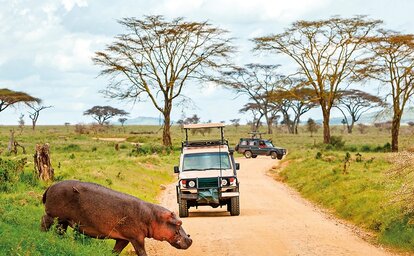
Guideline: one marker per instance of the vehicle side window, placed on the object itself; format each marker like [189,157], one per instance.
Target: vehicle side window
[252,143]
[243,143]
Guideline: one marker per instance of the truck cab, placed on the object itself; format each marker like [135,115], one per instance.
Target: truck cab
[207,173]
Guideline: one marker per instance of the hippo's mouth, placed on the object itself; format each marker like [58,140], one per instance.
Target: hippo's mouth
[183,242]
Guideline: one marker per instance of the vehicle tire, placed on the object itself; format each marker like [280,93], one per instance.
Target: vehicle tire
[234,206]
[254,156]
[279,157]
[273,155]
[182,208]
[247,153]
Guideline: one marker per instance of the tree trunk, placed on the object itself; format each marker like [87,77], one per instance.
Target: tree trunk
[350,127]
[166,133]
[269,125]
[326,130]
[395,130]
[11,147]
[42,162]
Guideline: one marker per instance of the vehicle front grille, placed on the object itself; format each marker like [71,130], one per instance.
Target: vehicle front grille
[208,182]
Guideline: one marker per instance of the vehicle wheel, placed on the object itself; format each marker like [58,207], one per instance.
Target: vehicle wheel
[273,155]
[234,206]
[279,157]
[254,156]
[183,208]
[247,153]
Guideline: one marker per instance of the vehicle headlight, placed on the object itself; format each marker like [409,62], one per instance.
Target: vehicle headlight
[224,182]
[191,183]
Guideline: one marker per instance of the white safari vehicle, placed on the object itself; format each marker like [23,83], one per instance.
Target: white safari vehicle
[207,174]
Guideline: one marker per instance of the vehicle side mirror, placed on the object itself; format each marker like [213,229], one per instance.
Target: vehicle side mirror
[237,166]
[176,169]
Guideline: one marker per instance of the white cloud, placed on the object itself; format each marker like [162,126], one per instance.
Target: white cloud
[69,4]
[46,45]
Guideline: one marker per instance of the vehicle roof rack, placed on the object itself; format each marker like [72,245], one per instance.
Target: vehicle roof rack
[255,134]
[203,143]
[201,126]
[220,126]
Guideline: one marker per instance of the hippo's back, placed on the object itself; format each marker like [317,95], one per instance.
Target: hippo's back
[87,202]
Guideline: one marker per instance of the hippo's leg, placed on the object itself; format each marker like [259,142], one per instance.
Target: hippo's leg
[120,245]
[139,247]
[46,222]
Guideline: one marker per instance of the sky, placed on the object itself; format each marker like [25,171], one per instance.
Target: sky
[46,48]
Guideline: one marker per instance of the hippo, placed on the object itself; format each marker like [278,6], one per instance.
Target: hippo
[102,213]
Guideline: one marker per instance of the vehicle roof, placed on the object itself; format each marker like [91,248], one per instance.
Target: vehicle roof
[221,148]
[254,139]
[200,126]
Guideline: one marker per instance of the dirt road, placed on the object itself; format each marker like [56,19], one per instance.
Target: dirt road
[273,221]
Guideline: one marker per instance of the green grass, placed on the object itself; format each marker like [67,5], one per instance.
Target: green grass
[79,157]
[359,196]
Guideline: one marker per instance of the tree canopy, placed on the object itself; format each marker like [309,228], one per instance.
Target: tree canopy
[256,81]
[392,64]
[9,98]
[156,57]
[103,113]
[325,51]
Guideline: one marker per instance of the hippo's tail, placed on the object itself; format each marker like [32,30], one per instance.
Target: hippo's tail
[44,196]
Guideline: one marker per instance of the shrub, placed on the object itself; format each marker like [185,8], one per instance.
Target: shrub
[72,147]
[402,174]
[9,173]
[148,149]
[337,142]
[366,148]
[318,155]
[81,129]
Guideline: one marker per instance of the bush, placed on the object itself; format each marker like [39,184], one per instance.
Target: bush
[366,148]
[337,142]
[81,129]
[72,147]
[9,173]
[149,149]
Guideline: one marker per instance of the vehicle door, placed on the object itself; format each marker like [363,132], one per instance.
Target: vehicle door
[254,147]
[262,148]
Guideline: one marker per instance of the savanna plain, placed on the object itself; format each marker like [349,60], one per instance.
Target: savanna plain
[349,179]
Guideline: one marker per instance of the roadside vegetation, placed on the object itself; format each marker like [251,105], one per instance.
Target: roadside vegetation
[350,178]
[126,167]
[347,177]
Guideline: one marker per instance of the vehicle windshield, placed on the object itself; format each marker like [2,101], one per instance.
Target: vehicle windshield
[269,144]
[206,161]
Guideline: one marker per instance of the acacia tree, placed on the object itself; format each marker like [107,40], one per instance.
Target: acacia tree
[325,51]
[256,112]
[298,100]
[353,103]
[34,115]
[392,63]
[256,81]
[9,98]
[155,59]
[103,113]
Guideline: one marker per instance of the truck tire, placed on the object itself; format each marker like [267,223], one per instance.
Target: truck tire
[273,155]
[247,153]
[182,208]
[279,157]
[234,206]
